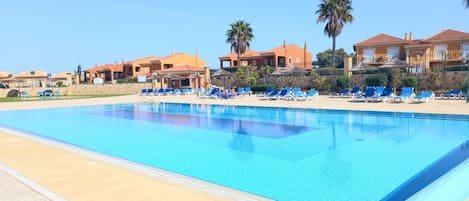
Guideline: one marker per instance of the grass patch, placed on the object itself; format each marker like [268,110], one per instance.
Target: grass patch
[35,98]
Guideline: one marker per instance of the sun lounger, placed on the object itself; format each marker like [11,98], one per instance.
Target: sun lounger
[247,90]
[386,93]
[356,91]
[56,94]
[368,95]
[407,93]
[344,93]
[149,92]
[455,93]
[283,95]
[309,95]
[143,92]
[424,96]
[268,95]
[279,95]
[379,90]
[24,95]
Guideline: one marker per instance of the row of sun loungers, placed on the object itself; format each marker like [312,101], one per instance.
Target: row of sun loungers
[381,93]
[371,94]
[288,94]
[166,91]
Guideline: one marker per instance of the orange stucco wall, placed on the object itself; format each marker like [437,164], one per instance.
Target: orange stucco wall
[183,59]
[381,52]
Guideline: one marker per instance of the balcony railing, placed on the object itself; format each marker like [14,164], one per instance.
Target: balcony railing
[377,60]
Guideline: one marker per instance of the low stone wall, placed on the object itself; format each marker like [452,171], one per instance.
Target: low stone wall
[115,89]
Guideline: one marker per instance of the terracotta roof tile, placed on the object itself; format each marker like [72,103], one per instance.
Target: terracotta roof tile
[418,42]
[248,53]
[183,68]
[448,34]
[142,59]
[381,38]
[113,67]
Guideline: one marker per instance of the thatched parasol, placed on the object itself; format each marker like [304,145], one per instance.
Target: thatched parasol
[395,63]
[174,76]
[222,73]
[363,67]
[295,70]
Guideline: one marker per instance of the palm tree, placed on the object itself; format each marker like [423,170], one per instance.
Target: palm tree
[467,3]
[266,70]
[335,13]
[239,36]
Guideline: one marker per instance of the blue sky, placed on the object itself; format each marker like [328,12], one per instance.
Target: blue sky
[56,35]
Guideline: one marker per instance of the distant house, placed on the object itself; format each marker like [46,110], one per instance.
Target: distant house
[448,47]
[282,56]
[145,66]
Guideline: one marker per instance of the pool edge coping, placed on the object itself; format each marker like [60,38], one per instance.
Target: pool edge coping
[205,186]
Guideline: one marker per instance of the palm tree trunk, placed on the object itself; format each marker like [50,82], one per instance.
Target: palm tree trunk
[239,58]
[333,52]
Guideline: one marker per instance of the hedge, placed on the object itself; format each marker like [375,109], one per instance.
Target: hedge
[330,71]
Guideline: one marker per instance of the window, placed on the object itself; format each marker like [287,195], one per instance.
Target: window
[393,53]
[254,62]
[137,69]
[298,60]
[289,60]
[266,62]
[465,51]
[185,82]
[368,55]
[439,52]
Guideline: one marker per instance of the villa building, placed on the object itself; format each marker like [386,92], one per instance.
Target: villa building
[146,66]
[448,47]
[282,56]
[4,75]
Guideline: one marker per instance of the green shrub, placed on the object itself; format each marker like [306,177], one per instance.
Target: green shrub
[125,80]
[464,85]
[376,80]
[261,88]
[326,85]
[343,82]
[410,81]
[436,80]
[456,68]
[330,71]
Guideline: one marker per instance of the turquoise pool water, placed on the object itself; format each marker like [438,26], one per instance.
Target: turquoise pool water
[279,153]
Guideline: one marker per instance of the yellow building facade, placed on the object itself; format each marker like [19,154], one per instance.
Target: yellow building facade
[448,47]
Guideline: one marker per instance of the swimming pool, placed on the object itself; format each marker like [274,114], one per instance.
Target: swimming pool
[279,153]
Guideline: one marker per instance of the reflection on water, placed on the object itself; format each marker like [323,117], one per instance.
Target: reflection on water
[241,139]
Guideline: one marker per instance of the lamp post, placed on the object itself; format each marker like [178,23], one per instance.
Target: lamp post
[197,76]
[466,62]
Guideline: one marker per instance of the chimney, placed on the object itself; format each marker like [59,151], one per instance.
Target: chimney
[405,38]
[284,44]
[122,60]
[410,36]
[172,52]
[305,51]
[197,58]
